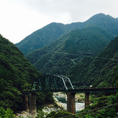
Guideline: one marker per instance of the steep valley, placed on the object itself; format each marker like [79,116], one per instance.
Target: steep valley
[85,53]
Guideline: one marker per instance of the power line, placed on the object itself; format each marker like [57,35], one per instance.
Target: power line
[89,55]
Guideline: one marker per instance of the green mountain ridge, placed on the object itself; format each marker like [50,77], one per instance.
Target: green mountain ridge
[52,32]
[64,53]
[41,37]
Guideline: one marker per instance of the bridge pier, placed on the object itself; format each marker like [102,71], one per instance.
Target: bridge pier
[87,99]
[27,102]
[32,103]
[71,102]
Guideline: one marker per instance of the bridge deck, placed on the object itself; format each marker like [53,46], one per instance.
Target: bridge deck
[80,90]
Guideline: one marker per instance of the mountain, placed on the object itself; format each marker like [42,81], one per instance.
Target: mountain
[41,37]
[67,51]
[101,71]
[16,76]
[105,22]
[52,32]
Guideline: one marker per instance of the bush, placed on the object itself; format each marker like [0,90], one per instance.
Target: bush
[60,114]
[6,113]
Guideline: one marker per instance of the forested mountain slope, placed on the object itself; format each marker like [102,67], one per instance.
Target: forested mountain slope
[101,71]
[67,51]
[16,76]
[41,37]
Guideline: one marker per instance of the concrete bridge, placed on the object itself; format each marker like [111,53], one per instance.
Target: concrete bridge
[60,83]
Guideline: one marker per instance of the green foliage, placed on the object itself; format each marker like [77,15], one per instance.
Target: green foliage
[16,76]
[102,107]
[60,114]
[44,98]
[6,113]
[55,114]
[100,71]
[41,114]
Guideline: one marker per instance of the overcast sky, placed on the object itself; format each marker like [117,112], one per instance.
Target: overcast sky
[19,18]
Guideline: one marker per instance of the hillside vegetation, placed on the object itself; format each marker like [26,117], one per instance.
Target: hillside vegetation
[16,76]
[67,51]
[100,71]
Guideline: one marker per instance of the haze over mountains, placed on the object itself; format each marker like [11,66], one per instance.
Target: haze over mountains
[54,31]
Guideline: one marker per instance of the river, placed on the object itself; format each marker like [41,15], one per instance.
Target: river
[79,105]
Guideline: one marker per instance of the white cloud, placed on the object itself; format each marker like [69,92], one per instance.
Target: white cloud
[77,9]
[19,18]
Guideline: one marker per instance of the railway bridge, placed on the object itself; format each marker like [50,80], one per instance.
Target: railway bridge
[60,83]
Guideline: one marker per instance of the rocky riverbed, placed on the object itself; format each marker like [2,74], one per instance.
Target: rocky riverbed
[60,104]
[61,100]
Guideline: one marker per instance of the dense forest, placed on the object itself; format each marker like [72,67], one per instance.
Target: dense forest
[67,51]
[100,71]
[16,76]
